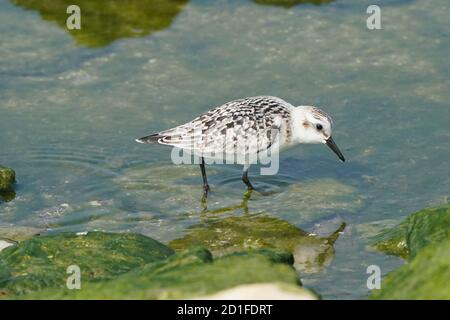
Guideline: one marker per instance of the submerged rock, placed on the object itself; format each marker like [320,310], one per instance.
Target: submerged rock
[423,239]
[7,178]
[176,190]
[103,22]
[7,195]
[233,234]
[42,261]
[188,274]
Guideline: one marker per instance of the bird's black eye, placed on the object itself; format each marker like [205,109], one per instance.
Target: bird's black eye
[319,126]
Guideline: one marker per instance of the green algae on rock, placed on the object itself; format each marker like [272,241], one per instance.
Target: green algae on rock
[233,234]
[427,276]
[42,261]
[7,195]
[187,274]
[7,178]
[424,239]
[102,22]
[132,266]
[419,230]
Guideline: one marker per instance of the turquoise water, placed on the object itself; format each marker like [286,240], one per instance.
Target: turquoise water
[70,111]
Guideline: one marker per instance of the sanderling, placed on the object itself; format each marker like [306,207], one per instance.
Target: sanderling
[263,122]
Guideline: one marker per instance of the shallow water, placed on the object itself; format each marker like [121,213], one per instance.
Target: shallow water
[71,107]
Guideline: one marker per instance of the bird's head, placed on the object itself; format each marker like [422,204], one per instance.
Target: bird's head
[312,125]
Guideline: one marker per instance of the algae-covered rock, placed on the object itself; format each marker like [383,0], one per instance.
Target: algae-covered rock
[291,3]
[42,261]
[102,22]
[234,234]
[187,274]
[131,266]
[427,276]
[424,239]
[7,178]
[421,229]
[7,195]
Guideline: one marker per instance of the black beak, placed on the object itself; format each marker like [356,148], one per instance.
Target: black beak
[330,142]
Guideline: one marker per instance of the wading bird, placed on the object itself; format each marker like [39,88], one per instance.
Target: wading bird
[246,128]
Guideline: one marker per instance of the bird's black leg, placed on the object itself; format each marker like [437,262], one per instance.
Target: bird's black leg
[205,180]
[245,178]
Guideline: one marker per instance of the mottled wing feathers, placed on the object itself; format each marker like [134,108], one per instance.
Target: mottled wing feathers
[244,123]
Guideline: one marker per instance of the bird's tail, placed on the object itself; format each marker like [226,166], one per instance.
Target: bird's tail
[153,138]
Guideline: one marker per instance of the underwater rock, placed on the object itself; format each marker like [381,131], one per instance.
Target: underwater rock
[315,199]
[419,230]
[7,195]
[424,239]
[291,3]
[175,189]
[7,178]
[42,261]
[311,253]
[102,22]
[187,274]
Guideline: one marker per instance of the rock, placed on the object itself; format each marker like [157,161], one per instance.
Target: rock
[131,266]
[7,195]
[416,232]
[188,274]
[233,234]
[7,178]
[119,19]
[423,239]
[42,261]
[427,276]
[263,291]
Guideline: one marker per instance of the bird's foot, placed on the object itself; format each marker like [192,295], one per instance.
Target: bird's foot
[261,191]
